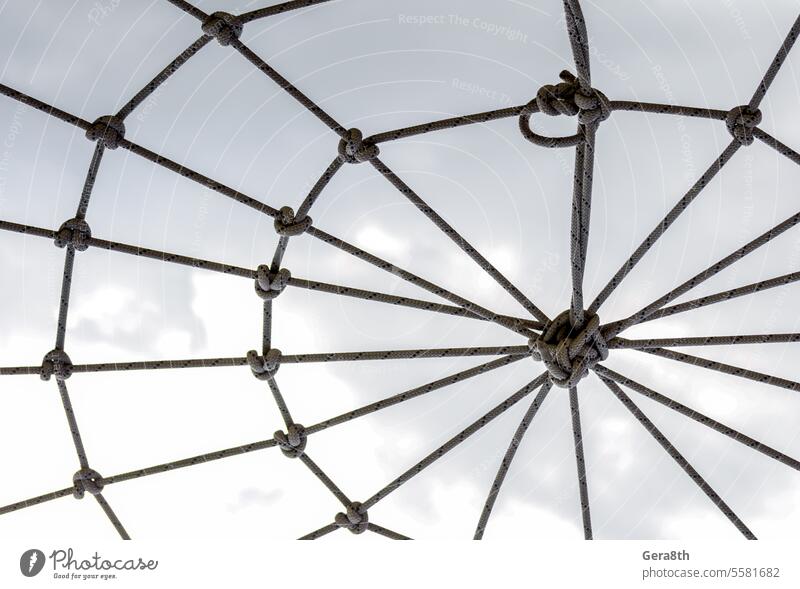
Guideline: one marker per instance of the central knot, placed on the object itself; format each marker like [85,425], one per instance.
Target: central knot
[264,367]
[354,520]
[108,130]
[354,150]
[223,27]
[56,363]
[569,352]
[568,98]
[86,480]
[293,442]
[270,284]
[74,233]
[741,121]
[287,225]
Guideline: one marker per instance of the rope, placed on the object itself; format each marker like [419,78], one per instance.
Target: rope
[570,345]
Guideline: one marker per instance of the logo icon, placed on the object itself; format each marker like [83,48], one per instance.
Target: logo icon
[31,562]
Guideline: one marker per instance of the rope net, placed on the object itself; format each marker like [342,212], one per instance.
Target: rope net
[569,346]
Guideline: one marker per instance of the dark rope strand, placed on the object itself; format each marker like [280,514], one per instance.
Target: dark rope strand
[505,464]
[698,417]
[679,459]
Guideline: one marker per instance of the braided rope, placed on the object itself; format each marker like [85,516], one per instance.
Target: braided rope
[570,345]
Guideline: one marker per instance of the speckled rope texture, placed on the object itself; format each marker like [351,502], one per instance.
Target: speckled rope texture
[571,345]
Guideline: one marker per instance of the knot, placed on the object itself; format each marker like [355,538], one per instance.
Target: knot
[741,121]
[74,233]
[85,481]
[354,150]
[56,363]
[223,27]
[568,353]
[263,367]
[270,284]
[293,442]
[286,224]
[567,98]
[108,130]
[354,520]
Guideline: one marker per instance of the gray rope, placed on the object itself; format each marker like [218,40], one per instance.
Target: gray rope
[413,393]
[416,280]
[136,365]
[112,517]
[618,326]
[407,354]
[723,296]
[709,340]
[659,230]
[583,488]
[699,417]
[455,441]
[457,238]
[679,459]
[775,66]
[574,96]
[380,297]
[289,88]
[500,477]
[323,531]
[723,368]
[162,76]
[278,9]
[380,530]
[325,479]
[189,9]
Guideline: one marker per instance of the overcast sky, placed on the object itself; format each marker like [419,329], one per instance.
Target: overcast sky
[378,66]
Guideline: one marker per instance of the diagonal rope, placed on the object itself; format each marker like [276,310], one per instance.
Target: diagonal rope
[500,477]
[454,441]
[679,458]
[659,230]
[698,417]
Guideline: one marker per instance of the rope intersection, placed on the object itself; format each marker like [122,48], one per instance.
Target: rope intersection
[570,346]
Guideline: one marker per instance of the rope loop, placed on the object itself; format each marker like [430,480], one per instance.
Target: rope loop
[354,150]
[293,442]
[741,121]
[270,284]
[264,367]
[568,353]
[287,225]
[108,130]
[56,363]
[74,233]
[223,27]
[565,98]
[87,480]
[354,519]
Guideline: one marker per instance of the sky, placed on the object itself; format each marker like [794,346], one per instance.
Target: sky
[380,66]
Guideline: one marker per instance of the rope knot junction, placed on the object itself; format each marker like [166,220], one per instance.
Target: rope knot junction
[354,520]
[74,233]
[264,367]
[568,352]
[287,225]
[269,284]
[741,121]
[568,98]
[293,442]
[108,130]
[56,363]
[223,27]
[85,481]
[354,150]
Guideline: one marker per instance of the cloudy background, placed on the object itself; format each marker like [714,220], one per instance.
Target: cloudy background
[371,65]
